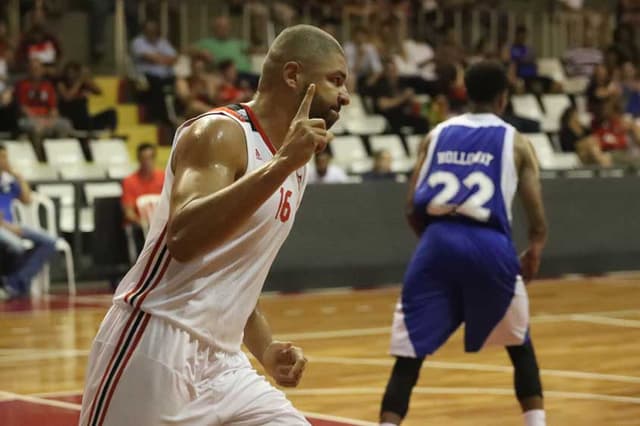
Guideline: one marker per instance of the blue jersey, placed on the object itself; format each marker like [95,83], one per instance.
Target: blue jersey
[469,174]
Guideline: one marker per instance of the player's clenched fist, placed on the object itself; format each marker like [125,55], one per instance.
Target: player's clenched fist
[305,136]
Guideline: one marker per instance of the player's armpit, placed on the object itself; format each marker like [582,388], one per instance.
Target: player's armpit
[210,197]
[416,219]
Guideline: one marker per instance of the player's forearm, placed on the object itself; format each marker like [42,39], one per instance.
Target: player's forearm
[204,223]
[538,235]
[257,334]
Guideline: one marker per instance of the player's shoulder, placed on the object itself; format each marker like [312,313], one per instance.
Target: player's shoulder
[211,136]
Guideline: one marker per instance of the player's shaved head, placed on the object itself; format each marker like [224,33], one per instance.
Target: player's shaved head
[304,44]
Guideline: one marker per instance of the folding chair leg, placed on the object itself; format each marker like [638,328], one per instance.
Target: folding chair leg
[71,275]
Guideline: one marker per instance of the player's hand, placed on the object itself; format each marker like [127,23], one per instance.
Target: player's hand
[529,264]
[284,362]
[306,136]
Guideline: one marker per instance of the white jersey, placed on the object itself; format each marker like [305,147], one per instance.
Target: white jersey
[213,295]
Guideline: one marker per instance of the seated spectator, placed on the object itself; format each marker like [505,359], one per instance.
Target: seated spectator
[38,104]
[582,60]
[154,57]
[382,161]
[524,58]
[146,180]
[601,92]
[363,61]
[630,90]
[38,43]
[29,262]
[220,46]
[198,92]
[232,89]
[397,103]
[325,172]
[576,138]
[6,55]
[482,51]
[74,88]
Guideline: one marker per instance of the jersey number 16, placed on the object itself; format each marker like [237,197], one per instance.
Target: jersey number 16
[284,207]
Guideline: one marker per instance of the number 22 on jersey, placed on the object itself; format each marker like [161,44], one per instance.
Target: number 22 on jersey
[284,207]
[473,206]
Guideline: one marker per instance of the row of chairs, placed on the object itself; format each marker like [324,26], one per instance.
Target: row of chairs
[548,112]
[66,160]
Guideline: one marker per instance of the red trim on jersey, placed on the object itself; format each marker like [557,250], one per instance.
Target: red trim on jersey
[108,369]
[257,125]
[155,283]
[123,365]
[230,111]
[143,277]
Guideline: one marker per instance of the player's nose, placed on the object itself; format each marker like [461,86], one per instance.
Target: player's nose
[343,97]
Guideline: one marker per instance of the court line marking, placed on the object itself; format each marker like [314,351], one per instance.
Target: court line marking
[36,400]
[39,398]
[443,365]
[461,391]
[604,320]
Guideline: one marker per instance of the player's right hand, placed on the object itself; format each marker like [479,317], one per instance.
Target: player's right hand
[529,264]
[305,137]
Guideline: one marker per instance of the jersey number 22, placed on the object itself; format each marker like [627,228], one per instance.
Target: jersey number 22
[473,206]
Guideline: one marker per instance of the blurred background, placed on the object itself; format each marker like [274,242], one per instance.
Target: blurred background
[91,93]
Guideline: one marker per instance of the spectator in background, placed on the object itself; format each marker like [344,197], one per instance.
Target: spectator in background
[363,61]
[74,88]
[6,54]
[14,187]
[601,92]
[325,172]
[146,180]
[38,43]
[198,92]
[7,108]
[630,90]
[38,104]
[397,103]
[582,60]
[222,47]
[574,137]
[382,161]
[524,58]
[154,57]
[232,89]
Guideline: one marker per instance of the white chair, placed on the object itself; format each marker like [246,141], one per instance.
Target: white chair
[393,144]
[349,151]
[554,107]
[552,68]
[64,192]
[576,85]
[109,152]
[91,192]
[39,171]
[527,106]
[120,171]
[146,205]
[413,143]
[583,112]
[21,153]
[355,108]
[366,124]
[30,216]
[82,171]
[547,157]
[63,152]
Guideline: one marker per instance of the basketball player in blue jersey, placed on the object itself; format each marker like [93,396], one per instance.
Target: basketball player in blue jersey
[465,268]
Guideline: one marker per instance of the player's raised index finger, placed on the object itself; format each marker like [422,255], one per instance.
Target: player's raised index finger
[305,105]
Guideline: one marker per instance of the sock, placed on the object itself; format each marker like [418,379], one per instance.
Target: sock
[535,418]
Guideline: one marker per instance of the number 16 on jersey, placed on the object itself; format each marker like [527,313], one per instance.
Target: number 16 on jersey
[284,207]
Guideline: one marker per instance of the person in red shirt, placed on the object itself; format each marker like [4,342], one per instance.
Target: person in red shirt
[146,180]
[38,104]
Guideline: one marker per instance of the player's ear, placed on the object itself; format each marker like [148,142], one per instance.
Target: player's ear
[292,74]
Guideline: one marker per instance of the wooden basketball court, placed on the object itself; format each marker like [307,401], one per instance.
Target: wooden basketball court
[586,331]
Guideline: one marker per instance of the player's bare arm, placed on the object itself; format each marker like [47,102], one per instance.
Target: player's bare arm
[211,196]
[281,360]
[414,218]
[530,192]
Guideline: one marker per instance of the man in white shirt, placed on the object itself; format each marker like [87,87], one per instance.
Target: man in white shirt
[325,172]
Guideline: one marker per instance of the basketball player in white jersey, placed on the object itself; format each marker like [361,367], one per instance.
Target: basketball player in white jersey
[169,349]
